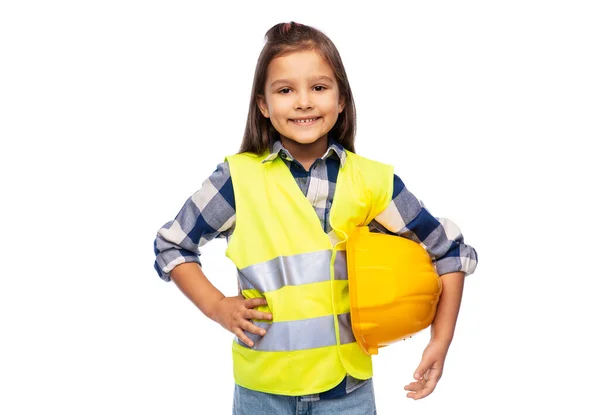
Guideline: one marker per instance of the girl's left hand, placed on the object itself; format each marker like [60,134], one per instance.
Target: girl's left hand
[429,371]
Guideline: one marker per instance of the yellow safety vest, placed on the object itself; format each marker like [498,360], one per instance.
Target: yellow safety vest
[283,254]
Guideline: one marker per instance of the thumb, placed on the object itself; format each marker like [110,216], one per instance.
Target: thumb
[423,367]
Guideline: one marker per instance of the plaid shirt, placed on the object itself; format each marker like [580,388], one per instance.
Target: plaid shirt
[210,213]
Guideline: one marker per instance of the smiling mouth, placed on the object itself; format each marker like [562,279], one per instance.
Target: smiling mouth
[305,121]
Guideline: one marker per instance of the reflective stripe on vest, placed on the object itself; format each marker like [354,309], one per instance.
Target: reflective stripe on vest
[293,270]
[301,334]
[282,254]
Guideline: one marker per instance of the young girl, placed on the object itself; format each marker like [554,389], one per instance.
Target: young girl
[286,204]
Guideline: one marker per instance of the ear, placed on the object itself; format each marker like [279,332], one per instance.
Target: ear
[262,105]
[341,105]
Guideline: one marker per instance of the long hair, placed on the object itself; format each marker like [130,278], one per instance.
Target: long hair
[282,39]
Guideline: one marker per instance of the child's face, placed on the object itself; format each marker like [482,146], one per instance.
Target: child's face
[301,86]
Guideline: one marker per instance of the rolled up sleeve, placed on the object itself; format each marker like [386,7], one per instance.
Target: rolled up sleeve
[406,216]
[207,214]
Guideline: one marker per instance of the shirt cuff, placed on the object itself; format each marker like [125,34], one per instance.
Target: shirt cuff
[465,262]
[165,262]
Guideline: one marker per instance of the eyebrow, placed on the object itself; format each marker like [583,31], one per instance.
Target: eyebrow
[315,79]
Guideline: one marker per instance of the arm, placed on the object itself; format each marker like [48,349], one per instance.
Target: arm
[192,282]
[232,313]
[208,214]
[430,369]
[407,217]
[444,323]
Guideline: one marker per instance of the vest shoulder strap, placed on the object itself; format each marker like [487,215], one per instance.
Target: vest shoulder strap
[378,179]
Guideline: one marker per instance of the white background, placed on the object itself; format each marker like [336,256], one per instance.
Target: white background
[113,113]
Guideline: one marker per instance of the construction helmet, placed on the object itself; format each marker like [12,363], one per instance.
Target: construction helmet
[394,288]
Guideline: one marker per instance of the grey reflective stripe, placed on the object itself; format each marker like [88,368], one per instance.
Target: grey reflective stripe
[286,270]
[293,270]
[340,266]
[345,325]
[301,334]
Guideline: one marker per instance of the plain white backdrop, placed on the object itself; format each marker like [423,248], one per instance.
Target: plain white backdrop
[113,113]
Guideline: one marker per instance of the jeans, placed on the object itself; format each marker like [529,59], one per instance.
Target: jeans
[358,402]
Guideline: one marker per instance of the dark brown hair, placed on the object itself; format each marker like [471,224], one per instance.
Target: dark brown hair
[282,39]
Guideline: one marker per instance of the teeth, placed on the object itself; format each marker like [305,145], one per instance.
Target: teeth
[305,121]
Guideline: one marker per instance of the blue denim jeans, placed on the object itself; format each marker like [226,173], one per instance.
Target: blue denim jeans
[249,402]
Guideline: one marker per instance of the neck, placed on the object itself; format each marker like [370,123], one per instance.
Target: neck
[306,154]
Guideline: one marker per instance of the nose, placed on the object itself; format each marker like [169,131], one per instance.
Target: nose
[303,100]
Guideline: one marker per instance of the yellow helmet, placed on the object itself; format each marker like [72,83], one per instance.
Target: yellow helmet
[394,288]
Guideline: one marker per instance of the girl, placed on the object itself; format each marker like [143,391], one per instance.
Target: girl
[286,204]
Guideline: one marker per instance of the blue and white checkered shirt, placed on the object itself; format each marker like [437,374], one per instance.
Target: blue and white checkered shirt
[210,213]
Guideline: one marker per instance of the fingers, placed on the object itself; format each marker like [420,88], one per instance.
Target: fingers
[424,384]
[258,315]
[252,328]
[242,336]
[424,366]
[251,314]
[255,302]
[416,386]
[246,326]
[236,315]
[426,377]
[245,331]
[421,388]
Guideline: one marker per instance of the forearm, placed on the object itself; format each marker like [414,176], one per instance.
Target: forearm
[444,323]
[190,279]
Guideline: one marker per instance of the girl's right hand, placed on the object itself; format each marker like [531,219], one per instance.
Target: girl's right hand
[235,313]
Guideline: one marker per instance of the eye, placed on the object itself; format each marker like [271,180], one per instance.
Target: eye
[285,90]
[320,88]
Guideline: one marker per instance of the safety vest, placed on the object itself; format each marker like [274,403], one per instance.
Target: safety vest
[283,254]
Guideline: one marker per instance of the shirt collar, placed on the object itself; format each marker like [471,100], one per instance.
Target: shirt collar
[277,149]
